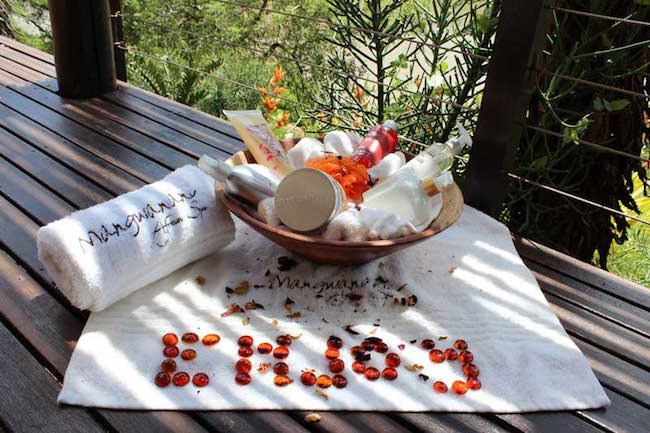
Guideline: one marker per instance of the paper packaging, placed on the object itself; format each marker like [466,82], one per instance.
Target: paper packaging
[99,255]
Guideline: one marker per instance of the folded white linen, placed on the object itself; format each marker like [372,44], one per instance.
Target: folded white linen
[387,166]
[343,143]
[364,223]
[99,255]
[306,149]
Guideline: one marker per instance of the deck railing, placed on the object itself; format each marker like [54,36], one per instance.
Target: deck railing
[502,116]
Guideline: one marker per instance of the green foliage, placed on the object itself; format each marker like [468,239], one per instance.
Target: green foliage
[30,22]
[599,51]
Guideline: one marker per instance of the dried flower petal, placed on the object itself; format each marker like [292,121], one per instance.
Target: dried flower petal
[242,288]
[401,346]
[321,393]
[252,305]
[295,337]
[288,303]
[200,280]
[246,321]
[264,367]
[442,337]
[414,367]
[402,287]
[348,329]
[294,315]
[452,269]
[232,309]
[312,417]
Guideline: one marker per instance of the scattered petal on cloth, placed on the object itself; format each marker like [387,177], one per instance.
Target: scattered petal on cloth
[527,361]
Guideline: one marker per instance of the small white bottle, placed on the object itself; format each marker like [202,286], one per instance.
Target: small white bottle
[414,200]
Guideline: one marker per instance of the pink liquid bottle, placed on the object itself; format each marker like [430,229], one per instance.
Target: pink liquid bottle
[379,142]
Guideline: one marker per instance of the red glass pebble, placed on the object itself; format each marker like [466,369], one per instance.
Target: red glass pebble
[170,339]
[243,366]
[436,356]
[470,370]
[188,354]
[339,381]
[190,337]
[465,356]
[283,340]
[336,365]
[460,344]
[181,378]
[265,348]
[334,342]
[282,380]
[473,383]
[281,368]
[381,347]
[459,387]
[440,387]
[324,381]
[371,373]
[281,352]
[168,365]
[308,378]
[245,351]
[358,367]
[242,378]
[200,380]
[210,339]
[162,379]
[170,351]
[451,354]
[427,344]
[245,341]
[393,360]
[356,351]
[389,373]
[332,353]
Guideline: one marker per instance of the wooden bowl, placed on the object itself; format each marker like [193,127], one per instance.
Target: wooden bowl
[344,252]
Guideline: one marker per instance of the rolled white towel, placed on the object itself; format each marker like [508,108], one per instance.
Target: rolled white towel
[343,143]
[387,166]
[346,226]
[306,149]
[383,224]
[266,211]
[100,255]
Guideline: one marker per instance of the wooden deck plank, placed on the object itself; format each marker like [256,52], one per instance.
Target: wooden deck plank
[28,395]
[623,416]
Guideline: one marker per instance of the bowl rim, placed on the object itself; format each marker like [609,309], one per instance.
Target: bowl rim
[239,209]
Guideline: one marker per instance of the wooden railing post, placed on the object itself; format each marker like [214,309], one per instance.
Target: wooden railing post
[118,36]
[508,88]
[83,47]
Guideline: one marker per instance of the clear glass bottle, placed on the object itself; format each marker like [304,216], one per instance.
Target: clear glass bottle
[414,200]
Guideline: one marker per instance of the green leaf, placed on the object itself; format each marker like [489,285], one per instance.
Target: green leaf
[619,104]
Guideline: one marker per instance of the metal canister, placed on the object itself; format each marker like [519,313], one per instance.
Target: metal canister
[307,200]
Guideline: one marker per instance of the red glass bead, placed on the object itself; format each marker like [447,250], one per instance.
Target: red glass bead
[440,387]
[358,367]
[245,341]
[245,351]
[170,351]
[282,380]
[436,356]
[168,365]
[465,356]
[473,383]
[389,373]
[427,344]
[281,352]
[371,373]
[170,339]
[181,378]
[356,351]
[339,381]
[332,353]
[190,337]
[334,342]
[162,379]
[381,347]
[265,348]
[460,344]
[210,339]
[336,365]
[451,354]
[324,381]
[200,380]
[459,387]
[308,378]
[242,378]
[283,340]
[367,345]
[281,368]
[470,370]
[243,366]
[393,360]
[188,354]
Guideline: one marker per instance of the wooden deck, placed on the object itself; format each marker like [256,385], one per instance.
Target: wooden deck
[60,155]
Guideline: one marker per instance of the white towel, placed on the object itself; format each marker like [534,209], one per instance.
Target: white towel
[306,149]
[343,142]
[469,283]
[99,255]
[387,166]
[365,224]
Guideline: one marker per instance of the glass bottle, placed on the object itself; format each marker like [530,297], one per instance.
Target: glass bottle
[379,142]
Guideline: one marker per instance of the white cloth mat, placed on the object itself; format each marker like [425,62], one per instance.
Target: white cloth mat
[527,361]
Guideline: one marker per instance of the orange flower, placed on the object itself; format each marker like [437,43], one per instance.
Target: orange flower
[279,91]
[271,104]
[357,92]
[284,119]
[279,74]
[263,91]
[352,176]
